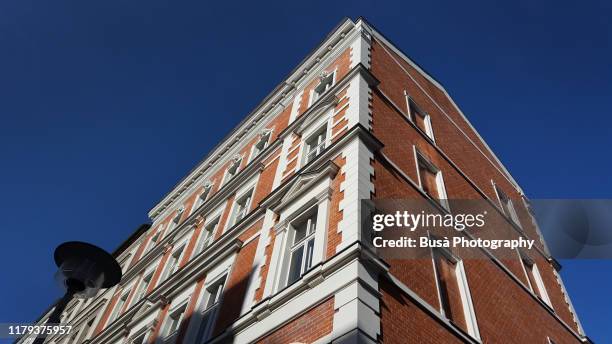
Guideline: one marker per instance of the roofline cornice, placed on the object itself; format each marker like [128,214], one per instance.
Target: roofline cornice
[277,100]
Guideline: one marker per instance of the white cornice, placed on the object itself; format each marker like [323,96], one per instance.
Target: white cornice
[271,105]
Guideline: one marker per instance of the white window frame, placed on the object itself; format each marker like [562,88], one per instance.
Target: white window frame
[264,140]
[151,243]
[182,308]
[302,245]
[167,273]
[248,195]
[116,313]
[203,196]
[314,96]
[318,195]
[140,292]
[88,325]
[210,314]
[144,336]
[413,111]
[418,156]
[541,292]
[323,127]
[464,290]
[176,219]
[513,216]
[235,164]
[214,219]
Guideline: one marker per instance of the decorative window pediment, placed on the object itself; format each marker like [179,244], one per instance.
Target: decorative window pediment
[301,184]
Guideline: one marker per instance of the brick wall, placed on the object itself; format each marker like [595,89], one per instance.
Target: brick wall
[308,327]
[499,301]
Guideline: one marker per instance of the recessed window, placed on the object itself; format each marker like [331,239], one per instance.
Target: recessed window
[118,307]
[204,195]
[536,283]
[241,208]
[141,339]
[85,331]
[173,262]
[507,206]
[177,218]
[315,144]
[154,239]
[232,170]
[174,320]
[455,299]
[210,307]
[208,234]
[262,144]
[420,118]
[326,81]
[431,180]
[143,286]
[302,248]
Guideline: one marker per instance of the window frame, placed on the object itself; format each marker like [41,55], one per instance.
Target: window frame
[209,313]
[248,195]
[167,273]
[140,292]
[116,313]
[235,164]
[313,95]
[539,290]
[214,219]
[255,150]
[207,189]
[182,308]
[467,304]
[413,111]
[511,213]
[440,185]
[157,235]
[321,129]
[302,244]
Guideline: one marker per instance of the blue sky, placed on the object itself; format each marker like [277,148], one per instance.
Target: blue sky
[105,105]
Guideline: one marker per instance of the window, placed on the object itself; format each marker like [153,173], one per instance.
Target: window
[73,338]
[241,208]
[118,306]
[173,262]
[204,195]
[141,339]
[85,331]
[326,81]
[455,299]
[143,286]
[301,251]
[232,170]
[507,206]
[262,144]
[430,180]
[420,118]
[208,234]
[535,279]
[174,320]
[315,144]
[175,221]
[154,239]
[124,262]
[210,307]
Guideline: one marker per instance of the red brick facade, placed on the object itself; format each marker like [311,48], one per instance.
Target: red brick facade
[224,269]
